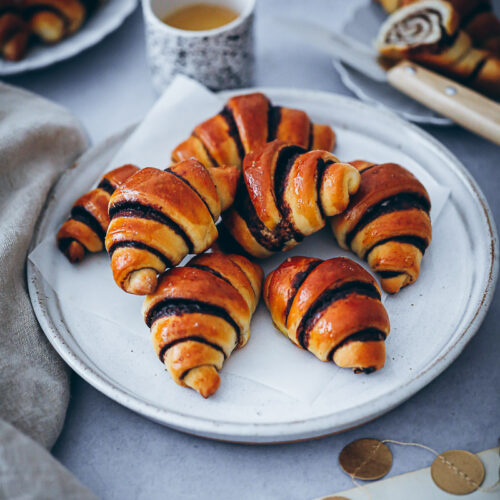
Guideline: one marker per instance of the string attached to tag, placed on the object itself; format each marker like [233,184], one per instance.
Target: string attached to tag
[458,472]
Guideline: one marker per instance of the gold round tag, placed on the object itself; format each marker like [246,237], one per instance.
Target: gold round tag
[366,459]
[458,472]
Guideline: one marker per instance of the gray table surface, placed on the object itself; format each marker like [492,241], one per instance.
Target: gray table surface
[121,455]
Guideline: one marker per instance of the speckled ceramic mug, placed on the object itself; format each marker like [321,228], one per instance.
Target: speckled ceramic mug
[221,58]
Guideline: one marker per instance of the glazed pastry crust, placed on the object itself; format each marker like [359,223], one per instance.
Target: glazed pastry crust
[247,123]
[387,223]
[158,217]
[285,195]
[331,308]
[200,313]
[86,227]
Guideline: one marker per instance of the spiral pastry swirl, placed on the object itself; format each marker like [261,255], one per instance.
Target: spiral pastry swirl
[428,32]
[387,223]
[200,313]
[331,308]
[246,123]
[286,194]
[86,227]
[160,216]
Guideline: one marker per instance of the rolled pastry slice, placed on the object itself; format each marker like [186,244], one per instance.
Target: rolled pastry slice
[387,223]
[427,32]
[285,195]
[246,123]
[86,227]
[14,35]
[200,313]
[331,308]
[160,216]
[52,20]
[466,9]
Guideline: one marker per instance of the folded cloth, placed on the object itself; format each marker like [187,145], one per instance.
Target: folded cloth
[38,140]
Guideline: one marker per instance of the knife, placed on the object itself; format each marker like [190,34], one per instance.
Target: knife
[462,105]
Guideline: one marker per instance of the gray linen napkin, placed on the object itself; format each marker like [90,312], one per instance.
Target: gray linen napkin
[38,140]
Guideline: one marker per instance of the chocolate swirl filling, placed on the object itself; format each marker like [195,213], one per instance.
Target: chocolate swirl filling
[180,306]
[325,300]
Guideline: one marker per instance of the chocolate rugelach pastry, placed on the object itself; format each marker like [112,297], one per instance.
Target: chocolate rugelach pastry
[246,123]
[86,227]
[387,223]
[14,31]
[285,195]
[331,308]
[428,32]
[52,20]
[200,313]
[160,216]
[477,19]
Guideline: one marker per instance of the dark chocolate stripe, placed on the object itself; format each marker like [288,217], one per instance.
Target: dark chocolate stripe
[321,167]
[194,190]
[475,72]
[398,202]
[209,270]
[141,246]
[227,114]
[207,152]
[284,163]
[325,300]
[64,243]
[273,122]
[136,209]
[367,335]
[194,338]
[179,306]
[107,186]
[81,214]
[297,282]
[389,274]
[416,241]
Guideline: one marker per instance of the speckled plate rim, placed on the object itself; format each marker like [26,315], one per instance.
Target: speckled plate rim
[72,46]
[41,295]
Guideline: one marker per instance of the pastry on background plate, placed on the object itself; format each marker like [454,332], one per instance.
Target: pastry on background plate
[200,313]
[387,223]
[331,308]
[428,33]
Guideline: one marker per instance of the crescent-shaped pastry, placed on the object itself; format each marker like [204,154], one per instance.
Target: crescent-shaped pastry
[160,216]
[200,313]
[331,308]
[86,227]
[387,223]
[246,123]
[286,194]
[427,32]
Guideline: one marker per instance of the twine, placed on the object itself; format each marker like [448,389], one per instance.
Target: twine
[453,467]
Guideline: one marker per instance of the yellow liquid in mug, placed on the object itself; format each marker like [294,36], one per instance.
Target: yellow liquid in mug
[200,16]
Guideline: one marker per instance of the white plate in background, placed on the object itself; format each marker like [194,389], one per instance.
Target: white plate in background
[431,321]
[363,26]
[103,21]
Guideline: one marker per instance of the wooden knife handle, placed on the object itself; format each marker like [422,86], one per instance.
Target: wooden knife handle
[462,105]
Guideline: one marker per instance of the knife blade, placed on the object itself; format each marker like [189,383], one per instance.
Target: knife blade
[466,107]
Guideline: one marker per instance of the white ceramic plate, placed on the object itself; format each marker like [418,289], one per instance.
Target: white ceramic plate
[363,26]
[433,321]
[106,19]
